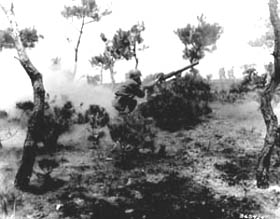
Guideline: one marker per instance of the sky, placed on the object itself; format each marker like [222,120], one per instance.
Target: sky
[242,20]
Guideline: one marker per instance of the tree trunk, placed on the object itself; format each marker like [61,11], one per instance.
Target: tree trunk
[112,76]
[136,61]
[135,56]
[34,124]
[101,75]
[270,119]
[77,48]
[271,123]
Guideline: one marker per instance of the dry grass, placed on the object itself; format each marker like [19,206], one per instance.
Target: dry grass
[231,139]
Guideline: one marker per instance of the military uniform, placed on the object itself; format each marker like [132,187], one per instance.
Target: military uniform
[125,96]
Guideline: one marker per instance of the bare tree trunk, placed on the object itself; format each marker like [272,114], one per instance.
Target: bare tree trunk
[101,75]
[136,61]
[34,124]
[112,76]
[77,48]
[270,119]
[135,56]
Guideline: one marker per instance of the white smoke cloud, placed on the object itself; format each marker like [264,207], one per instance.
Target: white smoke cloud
[80,93]
[15,84]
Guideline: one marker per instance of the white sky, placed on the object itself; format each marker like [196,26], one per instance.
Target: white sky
[242,20]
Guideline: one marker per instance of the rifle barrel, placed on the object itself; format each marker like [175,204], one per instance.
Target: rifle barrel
[187,67]
[169,75]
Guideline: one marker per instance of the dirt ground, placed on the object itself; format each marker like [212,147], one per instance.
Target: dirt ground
[207,172]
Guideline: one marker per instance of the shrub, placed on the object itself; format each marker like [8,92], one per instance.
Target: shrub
[26,108]
[178,102]
[231,95]
[132,133]
[97,117]
[57,120]
[46,166]
[237,90]
[3,114]
[25,105]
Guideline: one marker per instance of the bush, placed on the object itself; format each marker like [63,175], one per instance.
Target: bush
[177,103]
[228,96]
[3,114]
[132,133]
[25,105]
[97,117]
[26,108]
[57,120]
[237,90]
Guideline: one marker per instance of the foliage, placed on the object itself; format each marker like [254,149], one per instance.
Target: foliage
[26,108]
[252,80]
[46,166]
[87,8]
[28,36]
[93,80]
[57,120]
[132,133]
[63,116]
[122,46]
[198,39]
[3,114]
[227,96]
[238,89]
[177,103]
[25,105]
[88,12]
[97,117]
[232,93]
[124,42]
[103,60]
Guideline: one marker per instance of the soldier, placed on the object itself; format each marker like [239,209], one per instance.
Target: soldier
[125,101]
[222,73]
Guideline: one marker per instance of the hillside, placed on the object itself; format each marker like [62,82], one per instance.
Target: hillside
[207,172]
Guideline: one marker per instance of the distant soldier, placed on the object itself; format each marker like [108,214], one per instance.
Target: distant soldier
[222,73]
[231,73]
[125,101]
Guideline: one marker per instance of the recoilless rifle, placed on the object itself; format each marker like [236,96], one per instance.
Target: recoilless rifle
[163,77]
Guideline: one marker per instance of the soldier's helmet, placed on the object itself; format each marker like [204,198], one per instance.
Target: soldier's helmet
[134,73]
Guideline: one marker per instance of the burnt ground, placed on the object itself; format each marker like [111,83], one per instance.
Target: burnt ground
[207,172]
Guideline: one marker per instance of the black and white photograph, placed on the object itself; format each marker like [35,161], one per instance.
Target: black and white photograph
[137,109]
